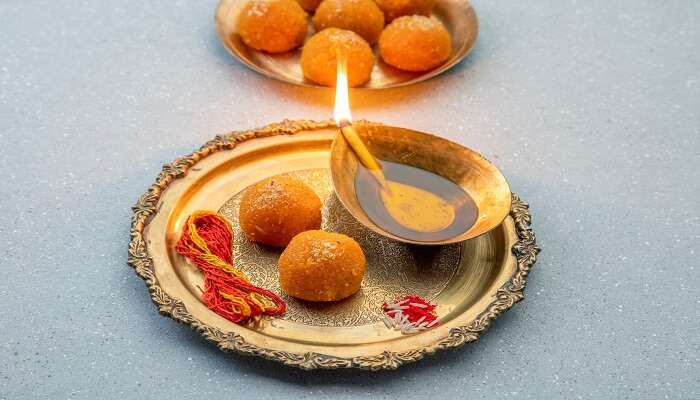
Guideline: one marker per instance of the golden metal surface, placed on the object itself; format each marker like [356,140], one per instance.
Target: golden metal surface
[458,16]
[473,281]
[392,267]
[463,166]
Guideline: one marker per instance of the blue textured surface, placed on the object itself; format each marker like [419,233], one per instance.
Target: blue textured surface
[590,108]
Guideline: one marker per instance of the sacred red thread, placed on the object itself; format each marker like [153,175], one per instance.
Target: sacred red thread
[206,241]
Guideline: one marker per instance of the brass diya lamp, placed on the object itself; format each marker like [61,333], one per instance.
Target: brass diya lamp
[411,186]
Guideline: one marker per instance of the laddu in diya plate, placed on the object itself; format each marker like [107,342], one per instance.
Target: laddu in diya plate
[472,281]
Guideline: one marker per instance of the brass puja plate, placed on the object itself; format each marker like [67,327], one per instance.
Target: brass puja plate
[472,282]
[458,16]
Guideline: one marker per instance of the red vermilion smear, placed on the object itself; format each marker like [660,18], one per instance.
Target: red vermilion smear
[416,309]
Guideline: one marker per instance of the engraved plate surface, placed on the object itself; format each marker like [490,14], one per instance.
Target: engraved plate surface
[393,268]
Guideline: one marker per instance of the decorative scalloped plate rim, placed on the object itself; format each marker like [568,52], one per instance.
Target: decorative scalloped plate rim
[525,250]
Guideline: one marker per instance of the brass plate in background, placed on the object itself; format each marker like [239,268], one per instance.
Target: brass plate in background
[473,281]
[458,16]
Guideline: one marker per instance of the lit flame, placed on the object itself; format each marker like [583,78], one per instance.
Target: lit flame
[341,111]
[343,118]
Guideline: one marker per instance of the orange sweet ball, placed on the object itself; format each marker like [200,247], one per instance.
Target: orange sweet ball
[319,57]
[360,16]
[309,5]
[415,43]
[321,266]
[276,209]
[274,26]
[397,8]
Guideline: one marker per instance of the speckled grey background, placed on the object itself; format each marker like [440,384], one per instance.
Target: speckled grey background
[590,108]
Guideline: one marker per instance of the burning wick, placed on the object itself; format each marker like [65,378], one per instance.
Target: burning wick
[343,118]
[412,207]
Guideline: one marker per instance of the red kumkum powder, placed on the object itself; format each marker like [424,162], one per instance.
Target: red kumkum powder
[410,314]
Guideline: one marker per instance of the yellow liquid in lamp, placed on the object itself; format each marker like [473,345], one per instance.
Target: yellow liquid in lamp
[420,206]
[417,209]
[409,202]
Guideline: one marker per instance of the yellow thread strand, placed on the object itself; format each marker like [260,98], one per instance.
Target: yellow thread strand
[216,261]
[262,301]
[202,245]
[236,300]
[194,234]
